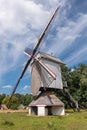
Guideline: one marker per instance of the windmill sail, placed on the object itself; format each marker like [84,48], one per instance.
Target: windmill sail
[43,34]
[40,77]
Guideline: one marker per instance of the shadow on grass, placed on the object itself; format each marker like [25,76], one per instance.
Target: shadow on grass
[8,123]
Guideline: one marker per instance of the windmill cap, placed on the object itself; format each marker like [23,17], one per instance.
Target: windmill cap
[49,57]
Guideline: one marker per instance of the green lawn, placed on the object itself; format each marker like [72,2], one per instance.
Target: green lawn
[20,121]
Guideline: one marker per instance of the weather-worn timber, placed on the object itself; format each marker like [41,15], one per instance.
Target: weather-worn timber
[46,78]
[43,34]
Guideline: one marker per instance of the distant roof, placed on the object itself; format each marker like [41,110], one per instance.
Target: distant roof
[49,57]
[4,107]
[48,99]
[21,106]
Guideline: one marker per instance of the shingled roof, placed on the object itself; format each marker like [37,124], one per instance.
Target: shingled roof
[47,99]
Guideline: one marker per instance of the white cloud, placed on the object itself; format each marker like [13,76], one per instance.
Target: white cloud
[7,86]
[19,25]
[25,88]
[21,22]
[67,34]
[15,14]
[77,57]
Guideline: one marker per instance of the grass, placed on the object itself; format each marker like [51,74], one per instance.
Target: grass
[20,121]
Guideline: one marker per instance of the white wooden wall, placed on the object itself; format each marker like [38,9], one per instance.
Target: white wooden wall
[57,70]
[58,111]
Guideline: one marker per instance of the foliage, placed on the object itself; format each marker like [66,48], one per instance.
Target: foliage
[77,85]
[77,82]
[16,100]
[13,104]
[2,97]
[24,99]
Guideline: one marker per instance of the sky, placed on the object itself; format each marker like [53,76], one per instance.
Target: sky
[21,23]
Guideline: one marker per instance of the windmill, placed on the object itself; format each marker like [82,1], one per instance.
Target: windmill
[43,34]
[46,77]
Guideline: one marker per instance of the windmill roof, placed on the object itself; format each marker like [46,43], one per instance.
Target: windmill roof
[47,99]
[50,57]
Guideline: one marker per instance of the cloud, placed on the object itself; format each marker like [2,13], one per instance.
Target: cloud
[7,86]
[20,13]
[6,89]
[25,88]
[51,3]
[67,34]
[20,22]
[78,57]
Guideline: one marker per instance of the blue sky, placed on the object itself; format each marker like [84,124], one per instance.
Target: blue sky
[22,21]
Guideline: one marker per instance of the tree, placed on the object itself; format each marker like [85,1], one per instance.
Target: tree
[24,99]
[83,84]
[20,98]
[13,103]
[2,97]
[27,99]
[77,82]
